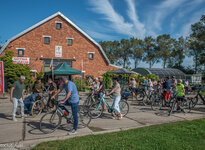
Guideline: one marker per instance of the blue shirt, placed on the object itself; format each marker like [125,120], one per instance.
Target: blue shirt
[167,86]
[71,87]
[144,82]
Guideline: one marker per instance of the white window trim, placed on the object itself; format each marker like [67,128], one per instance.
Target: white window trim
[68,38]
[91,52]
[21,48]
[58,22]
[46,36]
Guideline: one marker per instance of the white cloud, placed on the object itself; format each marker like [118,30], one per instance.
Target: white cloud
[160,12]
[186,28]
[117,21]
[138,26]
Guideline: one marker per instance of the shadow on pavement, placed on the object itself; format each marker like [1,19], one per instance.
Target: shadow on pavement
[4,116]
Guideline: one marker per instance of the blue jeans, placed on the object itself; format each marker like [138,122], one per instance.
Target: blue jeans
[74,108]
[29,106]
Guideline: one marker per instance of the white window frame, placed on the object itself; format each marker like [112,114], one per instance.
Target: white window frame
[92,54]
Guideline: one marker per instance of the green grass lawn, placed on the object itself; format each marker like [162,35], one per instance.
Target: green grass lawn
[187,135]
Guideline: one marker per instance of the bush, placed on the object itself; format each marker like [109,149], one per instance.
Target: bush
[13,71]
[77,82]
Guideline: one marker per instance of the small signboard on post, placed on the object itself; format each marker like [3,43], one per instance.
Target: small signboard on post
[58,51]
[1,77]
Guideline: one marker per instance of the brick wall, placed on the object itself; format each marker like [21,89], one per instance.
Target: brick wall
[33,42]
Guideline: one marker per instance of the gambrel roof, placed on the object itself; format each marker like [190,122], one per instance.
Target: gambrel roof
[49,18]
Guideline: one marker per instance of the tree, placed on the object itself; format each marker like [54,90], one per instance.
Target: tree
[197,43]
[13,71]
[150,51]
[137,50]
[178,53]
[111,48]
[124,53]
[164,48]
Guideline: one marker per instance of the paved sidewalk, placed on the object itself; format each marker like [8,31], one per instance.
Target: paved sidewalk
[26,133]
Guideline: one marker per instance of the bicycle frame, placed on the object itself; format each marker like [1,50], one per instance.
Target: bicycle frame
[102,99]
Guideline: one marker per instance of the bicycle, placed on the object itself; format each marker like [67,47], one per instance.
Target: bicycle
[96,109]
[50,121]
[183,104]
[158,101]
[196,99]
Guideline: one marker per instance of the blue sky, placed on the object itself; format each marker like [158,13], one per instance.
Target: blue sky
[106,19]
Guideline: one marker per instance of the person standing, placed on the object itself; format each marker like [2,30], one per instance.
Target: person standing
[17,96]
[144,84]
[117,96]
[150,87]
[174,84]
[38,86]
[71,99]
[186,85]
[167,89]
[180,93]
[52,90]
[133,87]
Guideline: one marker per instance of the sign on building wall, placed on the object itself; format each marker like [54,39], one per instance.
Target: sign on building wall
[1,77]
[21,60]
[58,51]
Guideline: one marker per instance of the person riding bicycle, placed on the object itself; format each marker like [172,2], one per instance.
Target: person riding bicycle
[180,92]
[174,84]
[101,89]
[71,99]
[167,89]
[116,91]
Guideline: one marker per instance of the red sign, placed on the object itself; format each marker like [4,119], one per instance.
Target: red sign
[1,77]
[21,60]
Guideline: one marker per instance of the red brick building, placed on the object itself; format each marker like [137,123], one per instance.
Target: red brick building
[58,38]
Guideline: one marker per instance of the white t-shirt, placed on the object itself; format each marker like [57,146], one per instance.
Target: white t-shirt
[150,85]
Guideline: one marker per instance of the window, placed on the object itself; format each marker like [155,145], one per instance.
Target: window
[20,52]
[70,42]
[58,25]
[46,40]
[91,55]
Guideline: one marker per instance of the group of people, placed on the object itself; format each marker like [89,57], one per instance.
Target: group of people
[163,86]
[71,99]
[98,91]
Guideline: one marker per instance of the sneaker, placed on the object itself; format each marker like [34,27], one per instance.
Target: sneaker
[14,119]
[72,132]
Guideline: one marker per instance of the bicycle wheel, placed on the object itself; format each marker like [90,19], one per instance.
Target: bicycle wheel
[194,102]
[156,103]
[84,118]
[185,106]
[146,100]
[95,110]
[124,107]
[139,96]
[89,100]
[172,106]
[50,122]
[37,108]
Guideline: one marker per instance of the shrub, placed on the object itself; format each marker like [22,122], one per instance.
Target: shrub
[13,71]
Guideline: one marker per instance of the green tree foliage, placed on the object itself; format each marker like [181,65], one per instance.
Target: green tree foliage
[178,53]
[164,48]
[197,43]
[137,50]
[151,56]
[13,71]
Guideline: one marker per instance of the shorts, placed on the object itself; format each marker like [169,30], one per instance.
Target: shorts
[133,89]
[167,95]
